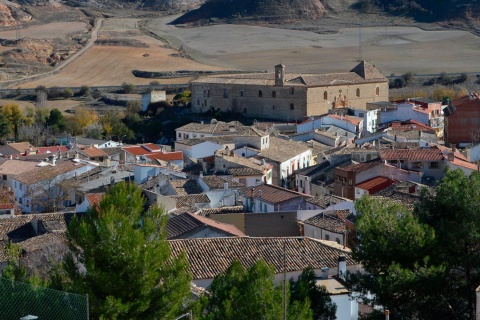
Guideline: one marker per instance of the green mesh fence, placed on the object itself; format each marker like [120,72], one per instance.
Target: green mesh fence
[19,300]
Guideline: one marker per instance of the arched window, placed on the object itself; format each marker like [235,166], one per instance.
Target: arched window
[358,92]
[377,91]
[292,106]
[260,93]
[274,94]
[325,95]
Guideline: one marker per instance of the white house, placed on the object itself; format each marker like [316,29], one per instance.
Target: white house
[46,180]
[204,147]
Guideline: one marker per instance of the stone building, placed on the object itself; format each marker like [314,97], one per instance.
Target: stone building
[289,97]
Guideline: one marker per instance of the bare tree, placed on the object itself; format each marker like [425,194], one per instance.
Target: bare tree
[52,194]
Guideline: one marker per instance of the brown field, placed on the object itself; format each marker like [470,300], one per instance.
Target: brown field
[391,49]
[46,31]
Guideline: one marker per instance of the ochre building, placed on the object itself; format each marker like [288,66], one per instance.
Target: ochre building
[289,97]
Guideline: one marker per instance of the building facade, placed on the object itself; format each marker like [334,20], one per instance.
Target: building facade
[289,97]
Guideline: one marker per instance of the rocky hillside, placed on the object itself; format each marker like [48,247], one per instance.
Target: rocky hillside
[267,10]
[11,14]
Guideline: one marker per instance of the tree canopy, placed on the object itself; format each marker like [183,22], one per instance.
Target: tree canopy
[122,260]
[423,264]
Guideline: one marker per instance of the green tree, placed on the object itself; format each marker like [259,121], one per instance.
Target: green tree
[127,268]
[454,214]
[250,293]
[14,116]
[394,248]
[56,120]
[68,93]
[4,129]
[128,87]
[85,91]
[306,289]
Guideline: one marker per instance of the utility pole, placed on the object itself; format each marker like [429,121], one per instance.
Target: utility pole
[360,56]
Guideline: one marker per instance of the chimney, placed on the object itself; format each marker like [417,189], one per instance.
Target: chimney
[54,161]
[225,185]
[325,272]
[454,147]
[260,193]
[450,156]
[342,267]
[201,174]
[11,157]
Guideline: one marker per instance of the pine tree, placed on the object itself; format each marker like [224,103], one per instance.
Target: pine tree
[123,262]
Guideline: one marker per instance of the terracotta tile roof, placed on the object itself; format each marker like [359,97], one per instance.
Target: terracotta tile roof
[143,149]
[410,125]
[236,161]
[420,154]
[375,184]
[47,172]
[186,222]
[367,71]
[345,215]
[93,152]
[112,151]
[190,200]
[14,167]
[167,156]
[280,150]
[185,186]
[409,200]
[209,257]
[354,120]
[327,222]
[360,167]
[272,194]
[216,182]
[21,147]
[94,198]
[217,128]
[458,158]
[245,171]
[52,149]
[325,200]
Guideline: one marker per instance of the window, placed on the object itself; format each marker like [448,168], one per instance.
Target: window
[260,93]
[325,95]
[274,94]
[434,165]
[264,207]
[337,240]
[4,177]
[205,101]
[417,165]
[301,183]
[198,102]
[292,91]
[358,92]
[241,93]
[361,114]
[377,91]
[292,106]
[350,182]
[225,93]
[245,110]
[273,107]
[327,237]
[204,93]
[208,93]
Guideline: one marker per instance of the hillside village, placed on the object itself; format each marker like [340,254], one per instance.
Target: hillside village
[283,189]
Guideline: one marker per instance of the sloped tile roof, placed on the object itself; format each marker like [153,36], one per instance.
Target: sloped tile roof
[433,154]
[47,172]
[94,198]
[280,150]
[14,167]
[375,184]
[209,257]
[325,200]
[326,222]
[93,152]
[185,186]
[360,167]
[245,171]
[216,182]
[190,200]
[52,149]
[186,222]
[367,71]
[222,210]
[166,156]
[272,194]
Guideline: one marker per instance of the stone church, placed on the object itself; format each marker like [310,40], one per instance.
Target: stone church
[289,97]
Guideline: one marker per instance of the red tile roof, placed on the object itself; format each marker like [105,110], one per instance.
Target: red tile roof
[410,125]
[166,156]
[94,198]
[272,194]
[354,120]
[375,184]
[94,152]
[52,149]
[420,154]
[186,222]
[360,167]
[143,149]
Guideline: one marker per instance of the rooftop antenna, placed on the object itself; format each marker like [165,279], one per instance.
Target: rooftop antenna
[360,56]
